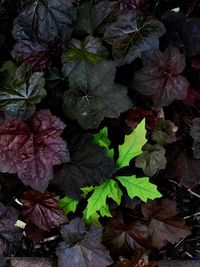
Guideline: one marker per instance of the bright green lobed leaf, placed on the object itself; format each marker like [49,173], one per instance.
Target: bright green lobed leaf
[68,204]
[101,139]
[132,145]
[97,201]
[139,187]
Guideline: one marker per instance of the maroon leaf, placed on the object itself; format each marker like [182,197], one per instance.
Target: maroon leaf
[82,248]
[42,209]
[31,152]
[185,169]
[192,97]
[9,233]
[135,116]
[161,77]
[164,227]
[34,233]
[120,236]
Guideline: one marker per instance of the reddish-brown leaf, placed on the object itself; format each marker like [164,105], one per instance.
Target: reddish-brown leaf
[42,209]
[120,236]
[32,151]
[164,227]
[161,77]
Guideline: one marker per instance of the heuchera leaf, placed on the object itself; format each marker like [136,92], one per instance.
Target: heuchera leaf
[152,159]
[101,139]
[122,236]
[9,233]
[68,204]
[185,168]
[164,227]
[82,248]
[164,132]
[132,34]
[90,17]
[161,77]
[139,187]
[42,209]
[89,166]
[47,21]
[31,152]
[90,50]
[35,53]
[93,94]
[18,96]
[183,32]
[136,114]
[132,145]
[97,201]
[192,97]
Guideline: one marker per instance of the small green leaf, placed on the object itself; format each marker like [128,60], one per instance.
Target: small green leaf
[139,187]
[93,219]
[132,145]
[101,139]
[67,204]
[97,201]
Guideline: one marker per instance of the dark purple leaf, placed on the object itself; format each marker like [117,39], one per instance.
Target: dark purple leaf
[132,34]
[183,32]
[89,165]
[42,209]
[82,248]
[94,95]
[32,152]
[9,233]
[47,20]
[161,77]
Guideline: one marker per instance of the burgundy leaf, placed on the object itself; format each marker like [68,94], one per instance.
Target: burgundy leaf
[164,227]
[120,236]
[136,115]
[161,77]
[185,168]
[33,53]
[192,97]
[82,248]
[34,233]
[42,209]
[9,233]
[31,152]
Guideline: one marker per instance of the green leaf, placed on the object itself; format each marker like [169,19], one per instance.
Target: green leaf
[101,139]
[132,145]
[139,187]
[93,219]
[67,204]
[97,201]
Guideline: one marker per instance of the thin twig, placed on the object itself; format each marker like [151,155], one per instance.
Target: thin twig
[49,239]
[193,215]
[179,242]
[193,193]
